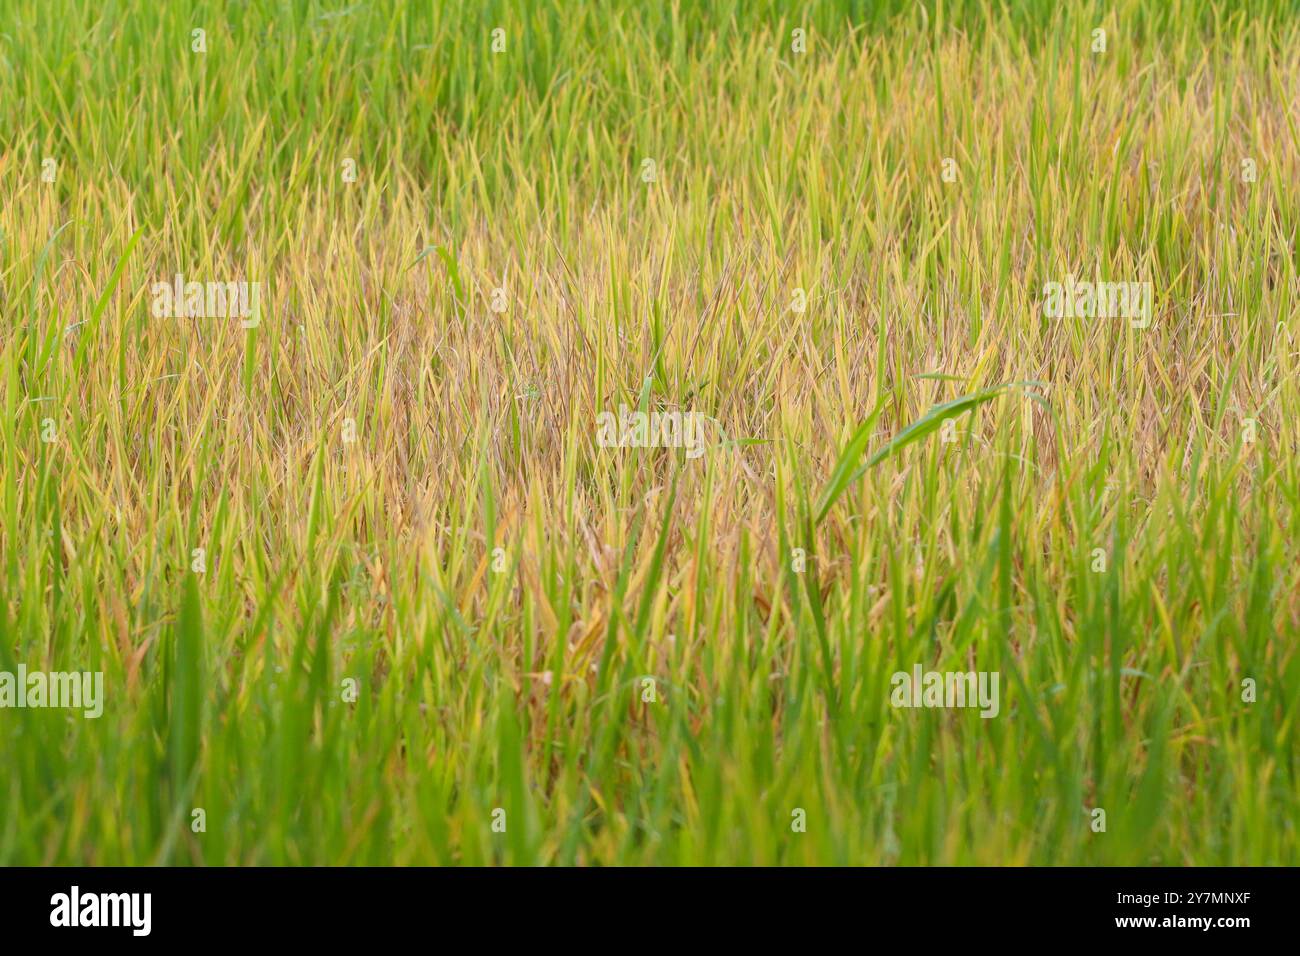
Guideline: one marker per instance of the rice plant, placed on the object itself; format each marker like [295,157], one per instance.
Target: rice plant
[573,432]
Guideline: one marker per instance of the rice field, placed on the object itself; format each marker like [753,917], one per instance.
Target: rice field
[571,433]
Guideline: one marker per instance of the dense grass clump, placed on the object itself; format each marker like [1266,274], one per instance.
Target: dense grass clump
[363,582]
